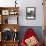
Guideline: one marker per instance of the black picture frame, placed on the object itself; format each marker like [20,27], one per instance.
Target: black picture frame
[30,13]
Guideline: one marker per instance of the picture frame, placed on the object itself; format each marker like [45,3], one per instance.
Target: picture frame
[30,13]
[5,12]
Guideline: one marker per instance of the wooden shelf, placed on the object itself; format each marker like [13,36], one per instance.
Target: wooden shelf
[10,43]
[5,8]
[11,26]
[4,13]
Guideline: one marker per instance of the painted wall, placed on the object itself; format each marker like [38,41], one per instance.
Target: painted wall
[22,11]
[39,13]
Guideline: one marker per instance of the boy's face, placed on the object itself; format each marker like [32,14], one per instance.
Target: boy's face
[31,41]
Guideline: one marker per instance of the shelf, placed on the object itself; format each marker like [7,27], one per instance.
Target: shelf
[7,16]
[5,12]
[10,26]
[5,8]
[11,41]
[11,15]
[9,11]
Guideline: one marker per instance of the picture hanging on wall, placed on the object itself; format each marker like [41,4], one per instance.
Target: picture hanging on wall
[30,13]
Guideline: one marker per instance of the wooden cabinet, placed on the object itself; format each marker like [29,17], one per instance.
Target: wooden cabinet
[9,25]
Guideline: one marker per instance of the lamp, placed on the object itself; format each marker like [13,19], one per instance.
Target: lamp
[15,3]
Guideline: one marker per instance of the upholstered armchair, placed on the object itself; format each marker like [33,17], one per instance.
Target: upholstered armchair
[30,38]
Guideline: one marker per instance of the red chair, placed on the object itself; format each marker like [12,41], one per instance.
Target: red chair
[29,33]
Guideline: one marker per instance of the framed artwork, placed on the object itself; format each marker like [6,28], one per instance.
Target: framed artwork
[30,13]
[5,12]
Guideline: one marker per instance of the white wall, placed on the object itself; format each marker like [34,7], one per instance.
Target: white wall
[22,11]
[39,13]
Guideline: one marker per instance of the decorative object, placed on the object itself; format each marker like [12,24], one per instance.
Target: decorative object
[7,34]
[6,21]
[30,13]
[5,12]
[13,12]
[15,37]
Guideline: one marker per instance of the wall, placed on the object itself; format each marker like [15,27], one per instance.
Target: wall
[22,11]
[39,13]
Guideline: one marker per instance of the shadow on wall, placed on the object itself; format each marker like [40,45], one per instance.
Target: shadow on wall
[37,29]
